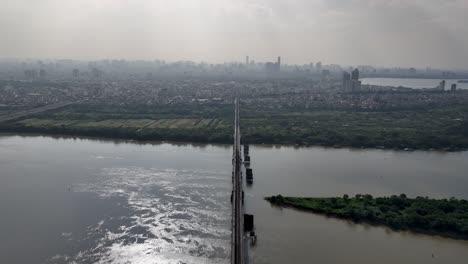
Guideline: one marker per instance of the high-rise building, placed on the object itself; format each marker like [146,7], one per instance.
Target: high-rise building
[273,68]
[30,74]
[355,75]
[454,87]
[346,81]
[356,85]
[247,60]
[442,85]
[351,81]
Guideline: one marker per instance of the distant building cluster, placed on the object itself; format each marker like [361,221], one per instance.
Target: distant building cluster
[106,70]
[351,81]
[33,75]
[273,68]
[266,94]
[442,85]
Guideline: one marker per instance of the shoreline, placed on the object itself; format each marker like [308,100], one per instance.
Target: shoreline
[109,139]
[195,143]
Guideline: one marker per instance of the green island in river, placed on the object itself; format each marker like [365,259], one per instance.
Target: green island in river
[444,217]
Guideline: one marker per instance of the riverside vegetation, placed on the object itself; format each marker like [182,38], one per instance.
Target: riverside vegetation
[440,217]
[441,128]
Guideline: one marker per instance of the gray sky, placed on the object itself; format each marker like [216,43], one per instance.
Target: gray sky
[379,32]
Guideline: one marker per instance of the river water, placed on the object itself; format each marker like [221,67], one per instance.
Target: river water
[65,200]
[415,83]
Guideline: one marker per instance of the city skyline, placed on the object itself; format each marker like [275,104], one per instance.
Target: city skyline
[360,32]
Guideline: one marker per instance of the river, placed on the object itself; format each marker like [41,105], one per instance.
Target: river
[66,200]
[415,83]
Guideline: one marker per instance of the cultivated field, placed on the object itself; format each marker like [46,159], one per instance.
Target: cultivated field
[138,124]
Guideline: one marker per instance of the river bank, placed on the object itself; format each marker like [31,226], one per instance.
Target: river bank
[439,129]
[197,139]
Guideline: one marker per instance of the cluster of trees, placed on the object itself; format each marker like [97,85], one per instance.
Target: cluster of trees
[444,216]
[438,129]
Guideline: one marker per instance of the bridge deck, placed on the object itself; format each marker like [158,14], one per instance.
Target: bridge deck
[237,239]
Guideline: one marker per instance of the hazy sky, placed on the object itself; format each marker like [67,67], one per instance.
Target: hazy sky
[379,32]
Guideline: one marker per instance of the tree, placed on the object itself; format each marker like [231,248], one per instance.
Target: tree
[346,197]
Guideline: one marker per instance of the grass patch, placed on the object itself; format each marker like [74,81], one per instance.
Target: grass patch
[444,128]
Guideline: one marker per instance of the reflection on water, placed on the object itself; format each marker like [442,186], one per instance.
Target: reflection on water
[175,215]
[110,140]
[77,200]
[163,203]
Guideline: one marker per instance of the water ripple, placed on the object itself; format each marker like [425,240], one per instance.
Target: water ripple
[177,216]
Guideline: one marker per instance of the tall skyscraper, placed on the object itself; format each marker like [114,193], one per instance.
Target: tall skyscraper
[247,60]
[351,82]
[346,81]
[442,85]
[355,75]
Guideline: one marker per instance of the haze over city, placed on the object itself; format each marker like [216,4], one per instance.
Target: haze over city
[233,131]
[415,33]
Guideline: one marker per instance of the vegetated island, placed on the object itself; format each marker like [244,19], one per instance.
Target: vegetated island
[448,218]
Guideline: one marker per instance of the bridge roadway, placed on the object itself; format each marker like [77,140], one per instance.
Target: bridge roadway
[238,249]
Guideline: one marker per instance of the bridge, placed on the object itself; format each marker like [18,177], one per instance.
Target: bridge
[238,241]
